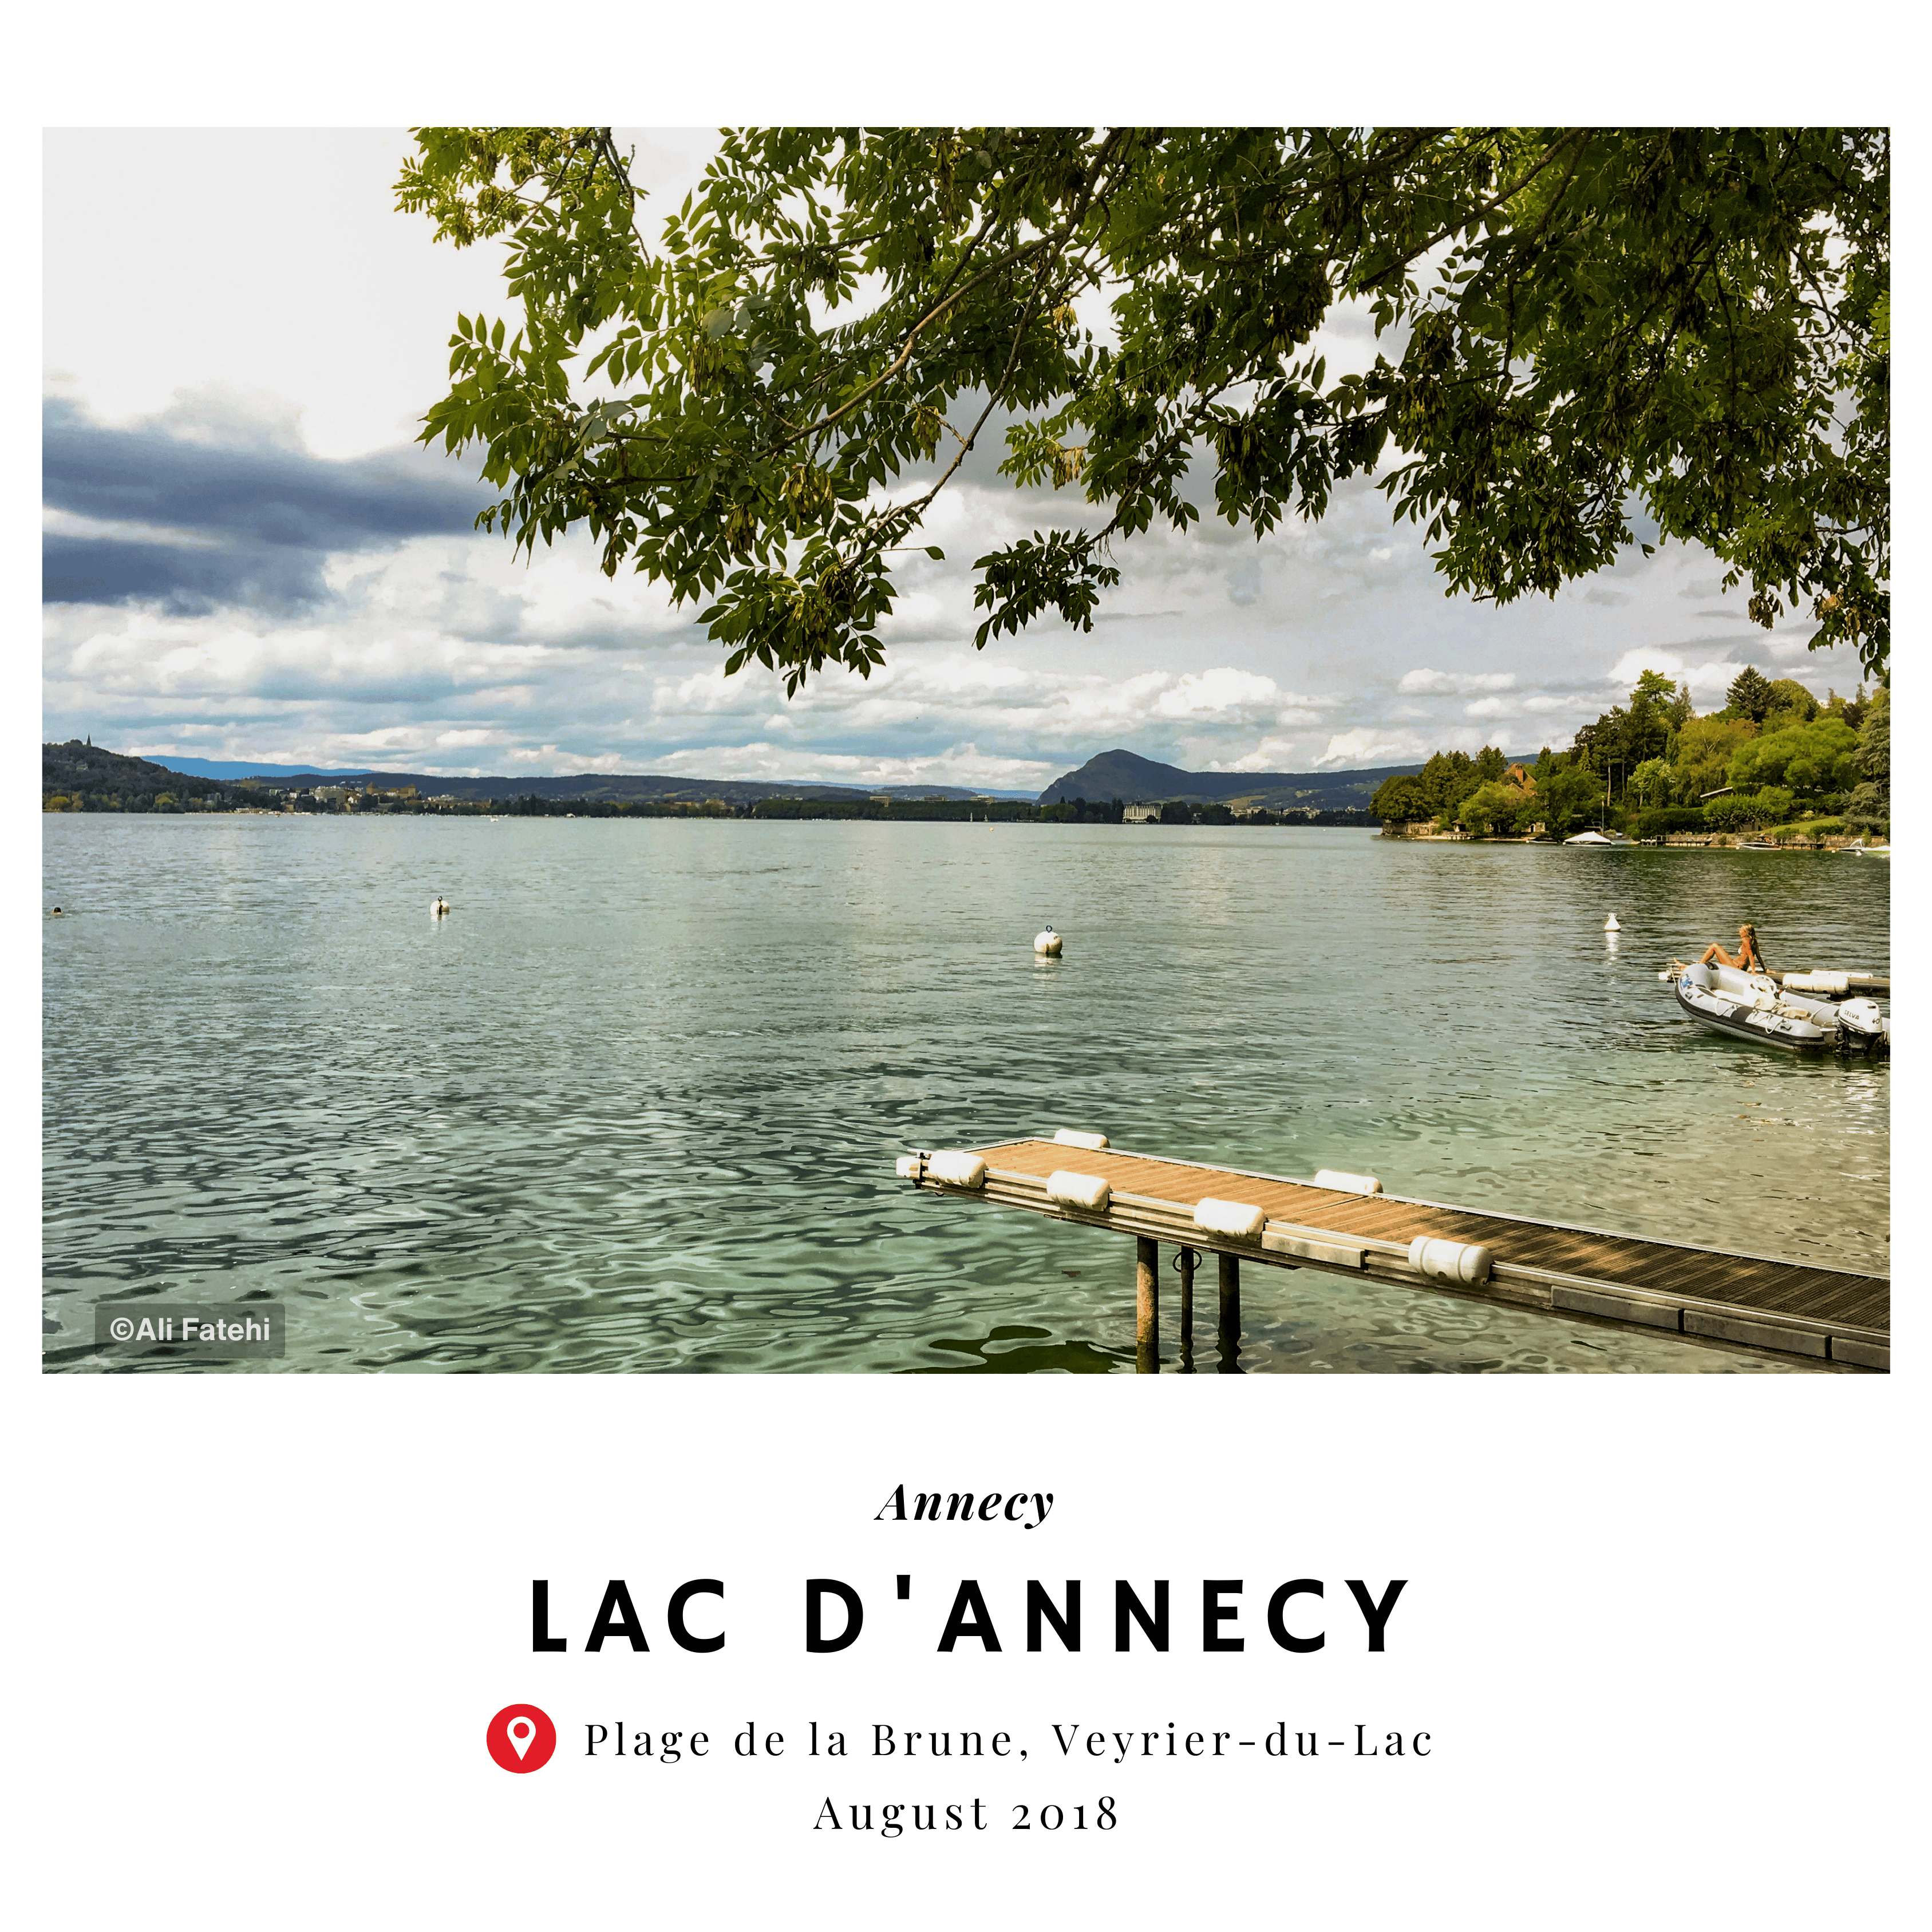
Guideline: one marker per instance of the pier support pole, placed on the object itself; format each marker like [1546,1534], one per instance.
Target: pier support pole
[1228,1326]
[1146,1307]
[1187,1259]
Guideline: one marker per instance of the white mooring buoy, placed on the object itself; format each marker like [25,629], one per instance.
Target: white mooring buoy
[1047,943]
[1610,925]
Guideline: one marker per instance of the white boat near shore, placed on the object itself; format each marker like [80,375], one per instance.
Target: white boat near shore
[1807,1012]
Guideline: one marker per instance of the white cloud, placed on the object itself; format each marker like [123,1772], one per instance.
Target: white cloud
[1271,755]
[1369,746]
[1453,682]
[1233,696]
[978,693]
[56,522]
[1222,693]
[962,764]
[1274,753]
[701,693]
[1492,707]
[1706,679]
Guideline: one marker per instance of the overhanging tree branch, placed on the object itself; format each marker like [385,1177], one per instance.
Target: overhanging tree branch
[1651,314]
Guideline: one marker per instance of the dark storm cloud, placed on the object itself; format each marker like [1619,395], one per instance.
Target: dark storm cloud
[258,518]
[188,580]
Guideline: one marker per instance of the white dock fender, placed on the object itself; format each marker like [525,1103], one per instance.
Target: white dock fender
[1450,1261]
[956,1169]
[1347,1183]
[1236,1219]
[1078,1190]
[1817,982]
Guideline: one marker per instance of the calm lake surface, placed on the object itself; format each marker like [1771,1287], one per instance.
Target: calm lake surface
[633,1104]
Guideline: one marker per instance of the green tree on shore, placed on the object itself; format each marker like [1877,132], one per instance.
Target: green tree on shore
[1869,804]
[1652,781]
[1572,798]
[1492,807]
[1750,693]
[1402,801]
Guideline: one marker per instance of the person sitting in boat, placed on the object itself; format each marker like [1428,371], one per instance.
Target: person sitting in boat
[1749,959]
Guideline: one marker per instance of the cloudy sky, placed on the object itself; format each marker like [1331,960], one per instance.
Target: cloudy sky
[246,557]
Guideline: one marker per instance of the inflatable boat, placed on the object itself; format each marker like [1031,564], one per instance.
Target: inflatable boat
[1809,1013]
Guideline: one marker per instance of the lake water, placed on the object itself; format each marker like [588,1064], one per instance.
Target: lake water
[633,1104]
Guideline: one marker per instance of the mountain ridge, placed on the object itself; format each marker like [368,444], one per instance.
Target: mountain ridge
[245,768]
[1128,776]
[73,767]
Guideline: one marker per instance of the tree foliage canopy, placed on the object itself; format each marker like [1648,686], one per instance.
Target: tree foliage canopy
[758,408]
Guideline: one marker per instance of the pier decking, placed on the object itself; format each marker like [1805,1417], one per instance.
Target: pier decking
[1746,1300]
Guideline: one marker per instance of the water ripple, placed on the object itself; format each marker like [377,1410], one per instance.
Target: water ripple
[633,1106]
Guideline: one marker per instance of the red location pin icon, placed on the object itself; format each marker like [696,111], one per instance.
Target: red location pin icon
[521,1738]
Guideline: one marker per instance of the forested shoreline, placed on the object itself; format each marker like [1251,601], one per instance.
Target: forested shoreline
[1773,760]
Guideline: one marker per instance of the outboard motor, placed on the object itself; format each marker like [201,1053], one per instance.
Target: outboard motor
[1862,1028]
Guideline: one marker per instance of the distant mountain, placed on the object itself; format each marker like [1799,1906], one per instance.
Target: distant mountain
[75,767]
[1127,776]
[243,768]
[76,770]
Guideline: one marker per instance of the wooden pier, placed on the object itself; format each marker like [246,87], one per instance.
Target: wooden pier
[1747,1301]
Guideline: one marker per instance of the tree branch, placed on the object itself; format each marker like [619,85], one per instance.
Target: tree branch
[1468,220]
